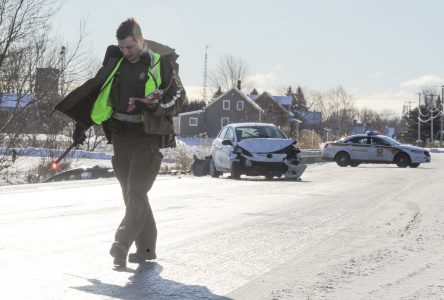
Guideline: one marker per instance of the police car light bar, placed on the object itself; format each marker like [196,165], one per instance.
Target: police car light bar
[372,132]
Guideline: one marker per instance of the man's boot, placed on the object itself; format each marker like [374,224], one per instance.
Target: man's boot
[141,257]
[119,251]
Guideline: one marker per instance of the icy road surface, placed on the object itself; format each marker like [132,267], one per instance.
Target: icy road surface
[371,232]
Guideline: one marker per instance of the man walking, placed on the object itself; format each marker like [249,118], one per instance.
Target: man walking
[134,96]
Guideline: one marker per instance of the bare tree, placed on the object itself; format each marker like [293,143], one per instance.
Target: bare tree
[315,101]
[340,112]
[22,19]
[228,72]
[27,48]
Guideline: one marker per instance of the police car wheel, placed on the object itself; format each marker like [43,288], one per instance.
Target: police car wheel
[402,160]
[343,159]
[414,165]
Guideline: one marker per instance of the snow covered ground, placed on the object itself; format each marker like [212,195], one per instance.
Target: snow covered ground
[371,232]
[30,160]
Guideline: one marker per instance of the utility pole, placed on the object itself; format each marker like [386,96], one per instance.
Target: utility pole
[441,117]
[205,74]
[431,118]
[327,130]
[410,105]
[407,107]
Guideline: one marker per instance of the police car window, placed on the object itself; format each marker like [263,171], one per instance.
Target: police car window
[359,140]
[390,141]
[378,141]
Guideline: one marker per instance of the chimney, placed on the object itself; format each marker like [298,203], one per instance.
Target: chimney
[239,85]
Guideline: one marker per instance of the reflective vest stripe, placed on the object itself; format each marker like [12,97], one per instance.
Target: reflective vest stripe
[179,91]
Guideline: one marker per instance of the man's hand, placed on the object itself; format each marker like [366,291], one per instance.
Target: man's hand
[79,135]
[150,103]
[140,104]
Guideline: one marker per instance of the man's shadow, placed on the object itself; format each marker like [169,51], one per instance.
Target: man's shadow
[146,283]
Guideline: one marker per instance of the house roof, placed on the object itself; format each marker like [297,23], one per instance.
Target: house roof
[247,98]
[312,117]
[9,100]
[193,112]
[282,100]
[274,98]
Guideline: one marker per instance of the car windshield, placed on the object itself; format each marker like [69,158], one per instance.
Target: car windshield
[251,132]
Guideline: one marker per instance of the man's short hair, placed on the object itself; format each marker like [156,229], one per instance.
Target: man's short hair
[128,28]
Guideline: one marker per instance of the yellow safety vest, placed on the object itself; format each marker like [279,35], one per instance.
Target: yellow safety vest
[102,110]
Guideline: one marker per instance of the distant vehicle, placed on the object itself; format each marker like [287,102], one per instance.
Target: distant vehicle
[255,149]
[374,148]
[82,174]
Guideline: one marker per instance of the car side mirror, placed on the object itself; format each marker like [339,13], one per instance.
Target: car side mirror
[227,143]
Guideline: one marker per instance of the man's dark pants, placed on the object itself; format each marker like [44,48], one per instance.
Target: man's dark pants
[136,162]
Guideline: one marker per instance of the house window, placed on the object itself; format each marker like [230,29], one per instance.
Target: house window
[240,105]
[226,105]
[192,122]
[224,121]
[270,108]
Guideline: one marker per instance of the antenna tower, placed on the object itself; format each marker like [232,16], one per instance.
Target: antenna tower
[205,74]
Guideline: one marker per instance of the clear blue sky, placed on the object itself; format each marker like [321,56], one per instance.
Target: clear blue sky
[382,51]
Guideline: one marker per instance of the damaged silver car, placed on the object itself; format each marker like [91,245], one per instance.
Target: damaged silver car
[255,149]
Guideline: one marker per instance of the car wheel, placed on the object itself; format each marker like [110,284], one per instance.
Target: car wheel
[354,163]
[269,176]
[235,170]
[414,165]
[342,159]
[402,160]
[213,172]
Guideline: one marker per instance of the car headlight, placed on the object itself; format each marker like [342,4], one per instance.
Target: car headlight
[296,149]
[242,151]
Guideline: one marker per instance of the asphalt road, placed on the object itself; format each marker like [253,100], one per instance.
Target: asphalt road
[371,232]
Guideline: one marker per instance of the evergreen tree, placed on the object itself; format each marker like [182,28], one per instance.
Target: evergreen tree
[217,93]
[254,92]
[289,92]
[410,135]
[300,103]
[192,105]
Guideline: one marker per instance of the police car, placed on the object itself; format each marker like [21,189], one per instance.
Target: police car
[374,148]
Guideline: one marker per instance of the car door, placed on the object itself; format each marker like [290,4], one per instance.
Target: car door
[358,148]
[227,149]
[217,149]
[379,150]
